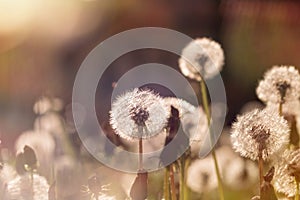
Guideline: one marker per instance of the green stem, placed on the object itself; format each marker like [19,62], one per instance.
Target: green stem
[167,184]
[208,116]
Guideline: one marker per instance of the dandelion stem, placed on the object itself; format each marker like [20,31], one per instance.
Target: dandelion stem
[280,108]
[182,179]
[172,182]
[32,183]
[186,190]
[166,184]
[297,190]
[183,165]
[208,116]
[140,154]
[261,173]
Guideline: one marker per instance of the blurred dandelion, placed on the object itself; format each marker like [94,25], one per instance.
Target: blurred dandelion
[27,187]
[138,114]
[259,133]
[201,58]
[193,119]
[43,145]
[45,104]
[52,123]
[26,161]
[281,84]
[181,105]
[287,171]
[240,173]
[201,176]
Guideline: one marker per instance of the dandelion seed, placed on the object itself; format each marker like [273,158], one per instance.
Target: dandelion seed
[138,114]
[280,84]
[201,58]
[286,170]
[259,133]
[26,187]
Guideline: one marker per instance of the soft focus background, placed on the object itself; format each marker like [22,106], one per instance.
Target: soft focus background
[42,44]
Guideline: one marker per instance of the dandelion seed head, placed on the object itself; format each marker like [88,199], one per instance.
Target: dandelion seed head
[202,57]
[259,133]
[280,84]
[22,188]
[138,114]
[284,179]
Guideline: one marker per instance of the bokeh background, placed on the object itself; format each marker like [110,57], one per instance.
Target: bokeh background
[43,43]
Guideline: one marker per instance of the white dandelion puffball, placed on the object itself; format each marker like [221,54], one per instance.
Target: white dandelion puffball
[138,114]
[23,188]
[280,84]
[193,119]
[284,181]
[201,58]
[259,133]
